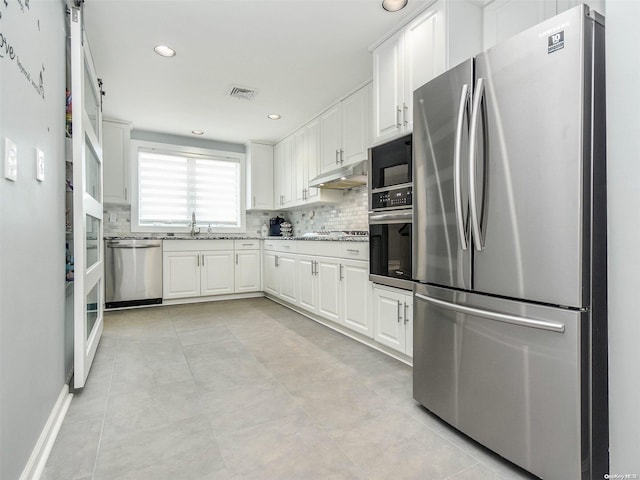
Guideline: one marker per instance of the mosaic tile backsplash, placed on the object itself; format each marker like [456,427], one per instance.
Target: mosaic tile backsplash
[350,214]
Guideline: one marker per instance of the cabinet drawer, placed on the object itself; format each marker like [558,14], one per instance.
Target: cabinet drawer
[355,250]
[270,245]
[320,248]
[247,244]
[286,246]
[196,245]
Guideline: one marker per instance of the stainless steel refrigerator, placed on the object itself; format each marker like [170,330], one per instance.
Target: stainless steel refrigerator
[509,248]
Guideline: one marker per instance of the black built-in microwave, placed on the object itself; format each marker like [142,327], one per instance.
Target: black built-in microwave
[391,215]
[390,175]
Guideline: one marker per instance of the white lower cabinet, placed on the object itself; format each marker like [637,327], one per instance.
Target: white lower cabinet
[356,290]
[280,276]
[202,268]
[337,289]
[393,318]
[270,273]
[247,271]
[329,273]
[307,284]
[287,278]
[180,275]
[217,273]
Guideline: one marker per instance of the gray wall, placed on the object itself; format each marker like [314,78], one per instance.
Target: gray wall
[31,226]
[623,131]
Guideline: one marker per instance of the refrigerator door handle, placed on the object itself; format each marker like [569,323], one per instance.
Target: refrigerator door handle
[457,167]
[498,317]
[473,132]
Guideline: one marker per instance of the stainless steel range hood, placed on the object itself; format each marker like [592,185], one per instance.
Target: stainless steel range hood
[343,177]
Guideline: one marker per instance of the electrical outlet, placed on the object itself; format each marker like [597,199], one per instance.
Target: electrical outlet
[113,217]
[39,165]
[10,160]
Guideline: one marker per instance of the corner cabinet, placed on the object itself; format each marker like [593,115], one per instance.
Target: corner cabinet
[116,140]
[440,37]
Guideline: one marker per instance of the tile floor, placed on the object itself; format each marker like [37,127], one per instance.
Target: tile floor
[248,389]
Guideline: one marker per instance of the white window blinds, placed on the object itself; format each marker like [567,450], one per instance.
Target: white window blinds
[171,187]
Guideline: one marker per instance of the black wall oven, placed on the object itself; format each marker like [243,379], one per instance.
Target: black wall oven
[390,248]
[390,213]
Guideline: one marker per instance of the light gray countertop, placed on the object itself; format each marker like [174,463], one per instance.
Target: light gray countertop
[321,238]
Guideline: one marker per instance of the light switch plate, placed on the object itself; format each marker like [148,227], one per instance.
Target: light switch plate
[39,165]
[113,217]
[10,160]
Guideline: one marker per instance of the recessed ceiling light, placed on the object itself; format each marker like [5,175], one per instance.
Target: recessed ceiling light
[274,116]
[165,51]
[394,5]
[197,132]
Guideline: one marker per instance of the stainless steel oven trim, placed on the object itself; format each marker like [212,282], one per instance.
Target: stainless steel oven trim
[392,282]
[397,216]
[399,186]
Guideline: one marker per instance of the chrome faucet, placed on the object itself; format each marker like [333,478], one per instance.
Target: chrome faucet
[194,232]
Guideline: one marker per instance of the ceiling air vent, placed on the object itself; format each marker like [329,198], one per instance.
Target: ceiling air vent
[241,92]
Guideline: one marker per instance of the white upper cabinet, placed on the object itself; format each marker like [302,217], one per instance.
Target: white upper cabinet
[505,18]
[116,139]
[356,126]
[283,167]
[438,38]
[345,131]
[330,138]
[259,176]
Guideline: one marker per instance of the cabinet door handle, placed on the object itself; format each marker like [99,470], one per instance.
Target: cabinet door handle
[125,193]
[203,259]
[398,113]
[236,259]
[277,264]
[406,318]
[312,263]
[352,250]
[337,154]
[341,276]
[197,260]
[405,109]
[399,311]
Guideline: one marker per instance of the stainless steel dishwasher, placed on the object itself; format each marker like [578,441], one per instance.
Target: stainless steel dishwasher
[133,272]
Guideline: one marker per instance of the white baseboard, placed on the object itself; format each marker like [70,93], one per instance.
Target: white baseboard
[38,459]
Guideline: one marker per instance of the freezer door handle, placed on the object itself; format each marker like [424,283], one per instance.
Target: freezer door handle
[473,132]
[498,317]
[457,167]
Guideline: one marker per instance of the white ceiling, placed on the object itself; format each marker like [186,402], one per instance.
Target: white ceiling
[300,56]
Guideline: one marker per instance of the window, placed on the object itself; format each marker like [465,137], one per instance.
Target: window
[174,185]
